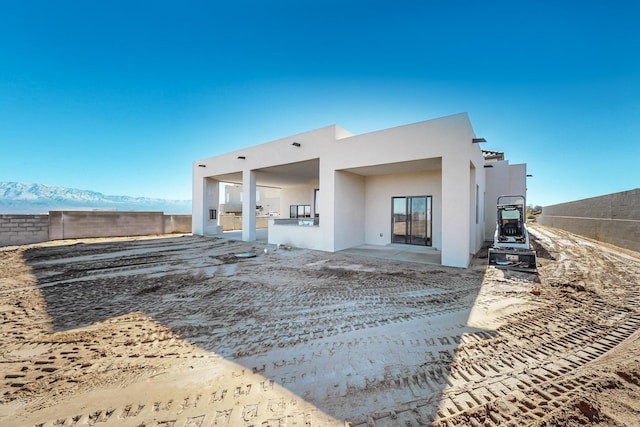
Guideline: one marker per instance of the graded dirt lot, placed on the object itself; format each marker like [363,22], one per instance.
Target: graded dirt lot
[178,331]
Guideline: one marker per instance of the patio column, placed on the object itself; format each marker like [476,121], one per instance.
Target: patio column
[197,206]
[211,202]
[248,205]
[455,211]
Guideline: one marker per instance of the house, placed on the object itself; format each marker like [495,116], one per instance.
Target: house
[420,184]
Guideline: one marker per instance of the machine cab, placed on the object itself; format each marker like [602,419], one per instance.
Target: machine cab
[510,226]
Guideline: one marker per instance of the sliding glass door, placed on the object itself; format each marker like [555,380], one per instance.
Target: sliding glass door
[399,220]
[411,220]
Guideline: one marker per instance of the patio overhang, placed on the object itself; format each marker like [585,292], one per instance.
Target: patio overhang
[410,166]
[280,176]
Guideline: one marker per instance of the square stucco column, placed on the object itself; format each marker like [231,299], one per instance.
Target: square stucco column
[328,207]
[211,201]
[197,204]
[248,205]
[455,211]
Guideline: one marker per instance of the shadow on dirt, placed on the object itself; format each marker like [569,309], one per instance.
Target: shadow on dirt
[373,340]
[541,250]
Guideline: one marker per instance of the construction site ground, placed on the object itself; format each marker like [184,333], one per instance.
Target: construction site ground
[179,331]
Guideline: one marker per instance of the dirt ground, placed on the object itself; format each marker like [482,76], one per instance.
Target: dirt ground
[178,331]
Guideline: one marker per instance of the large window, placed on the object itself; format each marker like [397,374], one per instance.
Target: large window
[411,220]
[300,211]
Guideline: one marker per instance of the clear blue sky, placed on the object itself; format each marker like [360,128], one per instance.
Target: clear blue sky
[121,96]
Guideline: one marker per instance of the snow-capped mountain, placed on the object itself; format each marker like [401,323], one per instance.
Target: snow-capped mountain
[21,198]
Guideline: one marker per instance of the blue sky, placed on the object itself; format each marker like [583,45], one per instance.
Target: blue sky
[121,96]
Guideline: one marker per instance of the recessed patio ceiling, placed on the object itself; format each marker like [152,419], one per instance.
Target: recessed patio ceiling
[281,176]
[400,167]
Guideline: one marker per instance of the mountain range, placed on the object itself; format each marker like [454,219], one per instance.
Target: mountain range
[22,198]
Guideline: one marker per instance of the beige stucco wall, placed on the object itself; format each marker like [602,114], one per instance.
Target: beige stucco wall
[448,138]
[349,212]
[476,210]
[381,189]
[309,237]
[502,179]
[208,198]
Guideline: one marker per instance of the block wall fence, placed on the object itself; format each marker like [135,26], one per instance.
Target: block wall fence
[26,229]
[23,229]
[613,218]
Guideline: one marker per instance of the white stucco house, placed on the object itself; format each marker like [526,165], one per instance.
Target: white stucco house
[426,184]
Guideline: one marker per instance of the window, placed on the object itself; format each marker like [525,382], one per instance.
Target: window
[213,214]
[477,204]
[411,220]
[300,211]
[510,213]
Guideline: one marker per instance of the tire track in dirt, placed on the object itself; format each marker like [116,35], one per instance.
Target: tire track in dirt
[332,341]
[532,360]
[233,405]
[517,373]
[546,362]
[307,318]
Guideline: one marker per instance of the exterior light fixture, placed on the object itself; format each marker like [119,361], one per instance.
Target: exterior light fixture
[488,166]
[241,157]
[477,140]
[202,166]
[296,144]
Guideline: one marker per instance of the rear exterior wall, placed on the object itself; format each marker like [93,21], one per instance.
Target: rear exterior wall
[379,193]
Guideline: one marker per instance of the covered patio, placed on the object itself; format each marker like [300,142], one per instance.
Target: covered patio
[298,182]
[395,252]
[401,253]
[418,185]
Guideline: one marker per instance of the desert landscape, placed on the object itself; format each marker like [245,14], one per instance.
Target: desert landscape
[179,331]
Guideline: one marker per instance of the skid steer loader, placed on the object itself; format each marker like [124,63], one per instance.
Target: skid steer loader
[511,247]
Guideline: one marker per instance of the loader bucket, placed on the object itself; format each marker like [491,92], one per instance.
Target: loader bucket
[511,258]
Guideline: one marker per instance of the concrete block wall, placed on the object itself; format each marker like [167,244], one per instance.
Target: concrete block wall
[613,218]
[81,224]
[177,224]
[231,222]
[23,229]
